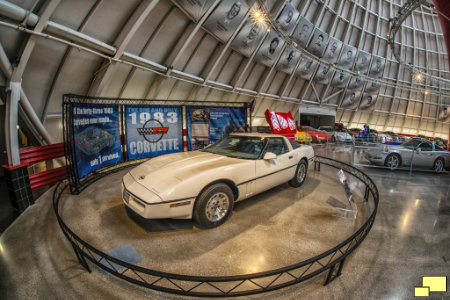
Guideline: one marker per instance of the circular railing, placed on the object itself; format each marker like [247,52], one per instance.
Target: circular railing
[331,260]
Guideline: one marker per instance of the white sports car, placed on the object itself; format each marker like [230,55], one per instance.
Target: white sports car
[205,184]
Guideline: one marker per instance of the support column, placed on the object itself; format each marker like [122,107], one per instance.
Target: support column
[16,175]
[11,121]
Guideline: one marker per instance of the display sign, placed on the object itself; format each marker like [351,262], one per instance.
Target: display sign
[340,79]
[288,60]
[287,18]
[323,74]
[348,57]
[303,32]
[226,18]
[281,123]
[318,42]
[306,68]
[333,49]
[444,113]
[195,8]
[207,125]
[95,137]
[377,67]
[362,62]
[356,83]
[153,130]
[368,102]
[249,37]
[270,49]
[351,99]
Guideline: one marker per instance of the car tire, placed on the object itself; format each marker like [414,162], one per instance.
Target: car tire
[214,205]
[438,165]
[393,161]
[300,174]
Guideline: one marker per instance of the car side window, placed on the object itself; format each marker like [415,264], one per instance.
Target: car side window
[294,144]
[426,146]
[277,146]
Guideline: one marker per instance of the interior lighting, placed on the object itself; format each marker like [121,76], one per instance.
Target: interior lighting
[418,77]
[417,202]
[261,20]
[1,248]
[426,92]
[268,29]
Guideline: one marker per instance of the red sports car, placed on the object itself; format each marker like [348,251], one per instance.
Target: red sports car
[317,136]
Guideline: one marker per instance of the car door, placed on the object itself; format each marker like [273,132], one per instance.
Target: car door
[424,156]
[270,173]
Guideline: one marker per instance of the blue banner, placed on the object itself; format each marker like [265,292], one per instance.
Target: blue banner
[207,125]
[96,137]
[153,130]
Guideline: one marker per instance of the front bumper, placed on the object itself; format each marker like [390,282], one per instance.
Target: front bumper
[148,208]
[375,159]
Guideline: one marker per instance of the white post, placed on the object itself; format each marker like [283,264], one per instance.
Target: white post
[11,121]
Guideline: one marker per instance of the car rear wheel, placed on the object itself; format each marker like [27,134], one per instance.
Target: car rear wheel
[214,205]
[438,165]
[393,161]
[300,174]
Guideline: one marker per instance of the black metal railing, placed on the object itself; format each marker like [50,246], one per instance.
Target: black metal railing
[331,260]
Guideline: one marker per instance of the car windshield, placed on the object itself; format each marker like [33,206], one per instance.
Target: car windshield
[307,128]
[412,143]
[326,128]
[236,146]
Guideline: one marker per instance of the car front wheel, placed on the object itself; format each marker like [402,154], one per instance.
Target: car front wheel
[438,166]
[393,161]
[300,174]
[214,205]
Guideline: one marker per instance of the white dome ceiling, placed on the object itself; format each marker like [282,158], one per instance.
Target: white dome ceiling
[166,50]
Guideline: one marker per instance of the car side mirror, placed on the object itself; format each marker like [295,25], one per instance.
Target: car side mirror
[270,156]
[418,150]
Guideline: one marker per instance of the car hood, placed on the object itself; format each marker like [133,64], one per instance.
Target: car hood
[162,173]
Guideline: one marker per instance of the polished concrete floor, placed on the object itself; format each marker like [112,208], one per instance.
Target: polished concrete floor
[410,239]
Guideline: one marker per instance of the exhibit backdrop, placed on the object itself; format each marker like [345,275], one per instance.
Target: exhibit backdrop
[96,136]
[206,125]
[153,130]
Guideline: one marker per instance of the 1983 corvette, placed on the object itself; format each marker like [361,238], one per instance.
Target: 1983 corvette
[204,185]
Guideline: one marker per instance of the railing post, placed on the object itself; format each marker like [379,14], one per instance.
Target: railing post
[366,194]
[81,258]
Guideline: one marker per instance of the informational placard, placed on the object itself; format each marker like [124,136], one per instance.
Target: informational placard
[444,113]
[207,125]
[95,137]
[351,99]
[153,130]
[318,42]
[305,68]
[333,49]
[288,18]
[368,102]
[226,18]
[288,60]
[196,8]
[302,32]
[249,37]
[270,49]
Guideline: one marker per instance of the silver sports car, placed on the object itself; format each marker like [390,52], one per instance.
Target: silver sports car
[421,152]
[205,184]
